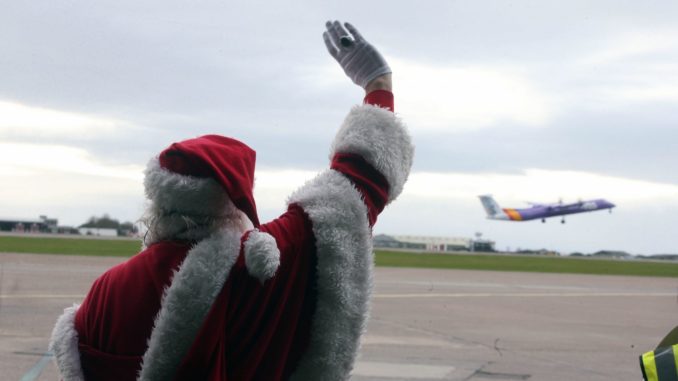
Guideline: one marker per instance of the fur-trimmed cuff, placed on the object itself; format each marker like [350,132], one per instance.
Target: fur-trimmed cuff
[262,256]
[344,275]
[382,140]
[64,346]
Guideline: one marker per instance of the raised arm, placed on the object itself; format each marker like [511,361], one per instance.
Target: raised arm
[371,156]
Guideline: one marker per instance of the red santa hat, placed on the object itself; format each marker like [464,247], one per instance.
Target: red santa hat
[226,160]
[231,163]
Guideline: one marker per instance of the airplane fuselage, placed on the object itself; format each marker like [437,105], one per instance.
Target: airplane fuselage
[552,210]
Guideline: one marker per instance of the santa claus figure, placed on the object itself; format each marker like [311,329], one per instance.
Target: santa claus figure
[215,295]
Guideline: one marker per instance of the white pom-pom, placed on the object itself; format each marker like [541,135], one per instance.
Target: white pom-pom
[262,256]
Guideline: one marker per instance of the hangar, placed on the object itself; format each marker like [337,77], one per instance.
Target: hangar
[23,225]
[433,243]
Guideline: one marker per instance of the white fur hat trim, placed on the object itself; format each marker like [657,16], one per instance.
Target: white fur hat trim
[262,256]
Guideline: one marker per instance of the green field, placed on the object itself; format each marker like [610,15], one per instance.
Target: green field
[70,246]
[127,248]
[504,262]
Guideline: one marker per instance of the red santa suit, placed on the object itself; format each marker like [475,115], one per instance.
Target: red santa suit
[288,299]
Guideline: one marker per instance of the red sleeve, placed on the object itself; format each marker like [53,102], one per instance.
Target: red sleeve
[381,98]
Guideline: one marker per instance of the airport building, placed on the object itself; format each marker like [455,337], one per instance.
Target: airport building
[23,225]
[98,232]
[432,243]
[45,225]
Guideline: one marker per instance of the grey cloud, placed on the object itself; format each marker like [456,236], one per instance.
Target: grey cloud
[629,144]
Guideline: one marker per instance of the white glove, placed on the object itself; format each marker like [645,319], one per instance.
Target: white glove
[360,60]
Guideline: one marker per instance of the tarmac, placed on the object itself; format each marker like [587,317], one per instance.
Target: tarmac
[425,324]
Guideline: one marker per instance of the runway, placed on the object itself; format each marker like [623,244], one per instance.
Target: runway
[425,324]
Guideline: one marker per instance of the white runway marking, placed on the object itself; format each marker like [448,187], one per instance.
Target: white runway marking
[36,370]
[479,285]
[524,295]
[408,341]
[401,371]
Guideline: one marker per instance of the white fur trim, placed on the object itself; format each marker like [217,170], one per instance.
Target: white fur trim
[382,140]
[262,256]
[185,207]
[186,303]
[344,275]
[64,346]
[185,194]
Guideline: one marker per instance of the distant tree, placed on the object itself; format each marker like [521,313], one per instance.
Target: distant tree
[539,252]
[127,228]
[103,222]
[106,222]
[611,253]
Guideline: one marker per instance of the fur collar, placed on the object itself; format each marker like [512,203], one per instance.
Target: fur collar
[186,303]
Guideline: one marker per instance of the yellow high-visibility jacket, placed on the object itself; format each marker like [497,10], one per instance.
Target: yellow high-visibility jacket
[660,364]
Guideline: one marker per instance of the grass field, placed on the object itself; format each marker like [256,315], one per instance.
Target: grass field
[70,246]
[127,248]
[503,262]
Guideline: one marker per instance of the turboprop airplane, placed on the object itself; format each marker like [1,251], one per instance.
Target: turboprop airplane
[541,211]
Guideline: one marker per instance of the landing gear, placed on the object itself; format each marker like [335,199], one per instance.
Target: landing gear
[543,220]
[562,221]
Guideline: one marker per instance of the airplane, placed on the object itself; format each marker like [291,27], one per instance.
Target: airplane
[541,211]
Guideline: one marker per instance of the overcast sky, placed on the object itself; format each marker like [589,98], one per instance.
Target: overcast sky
[526,100]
